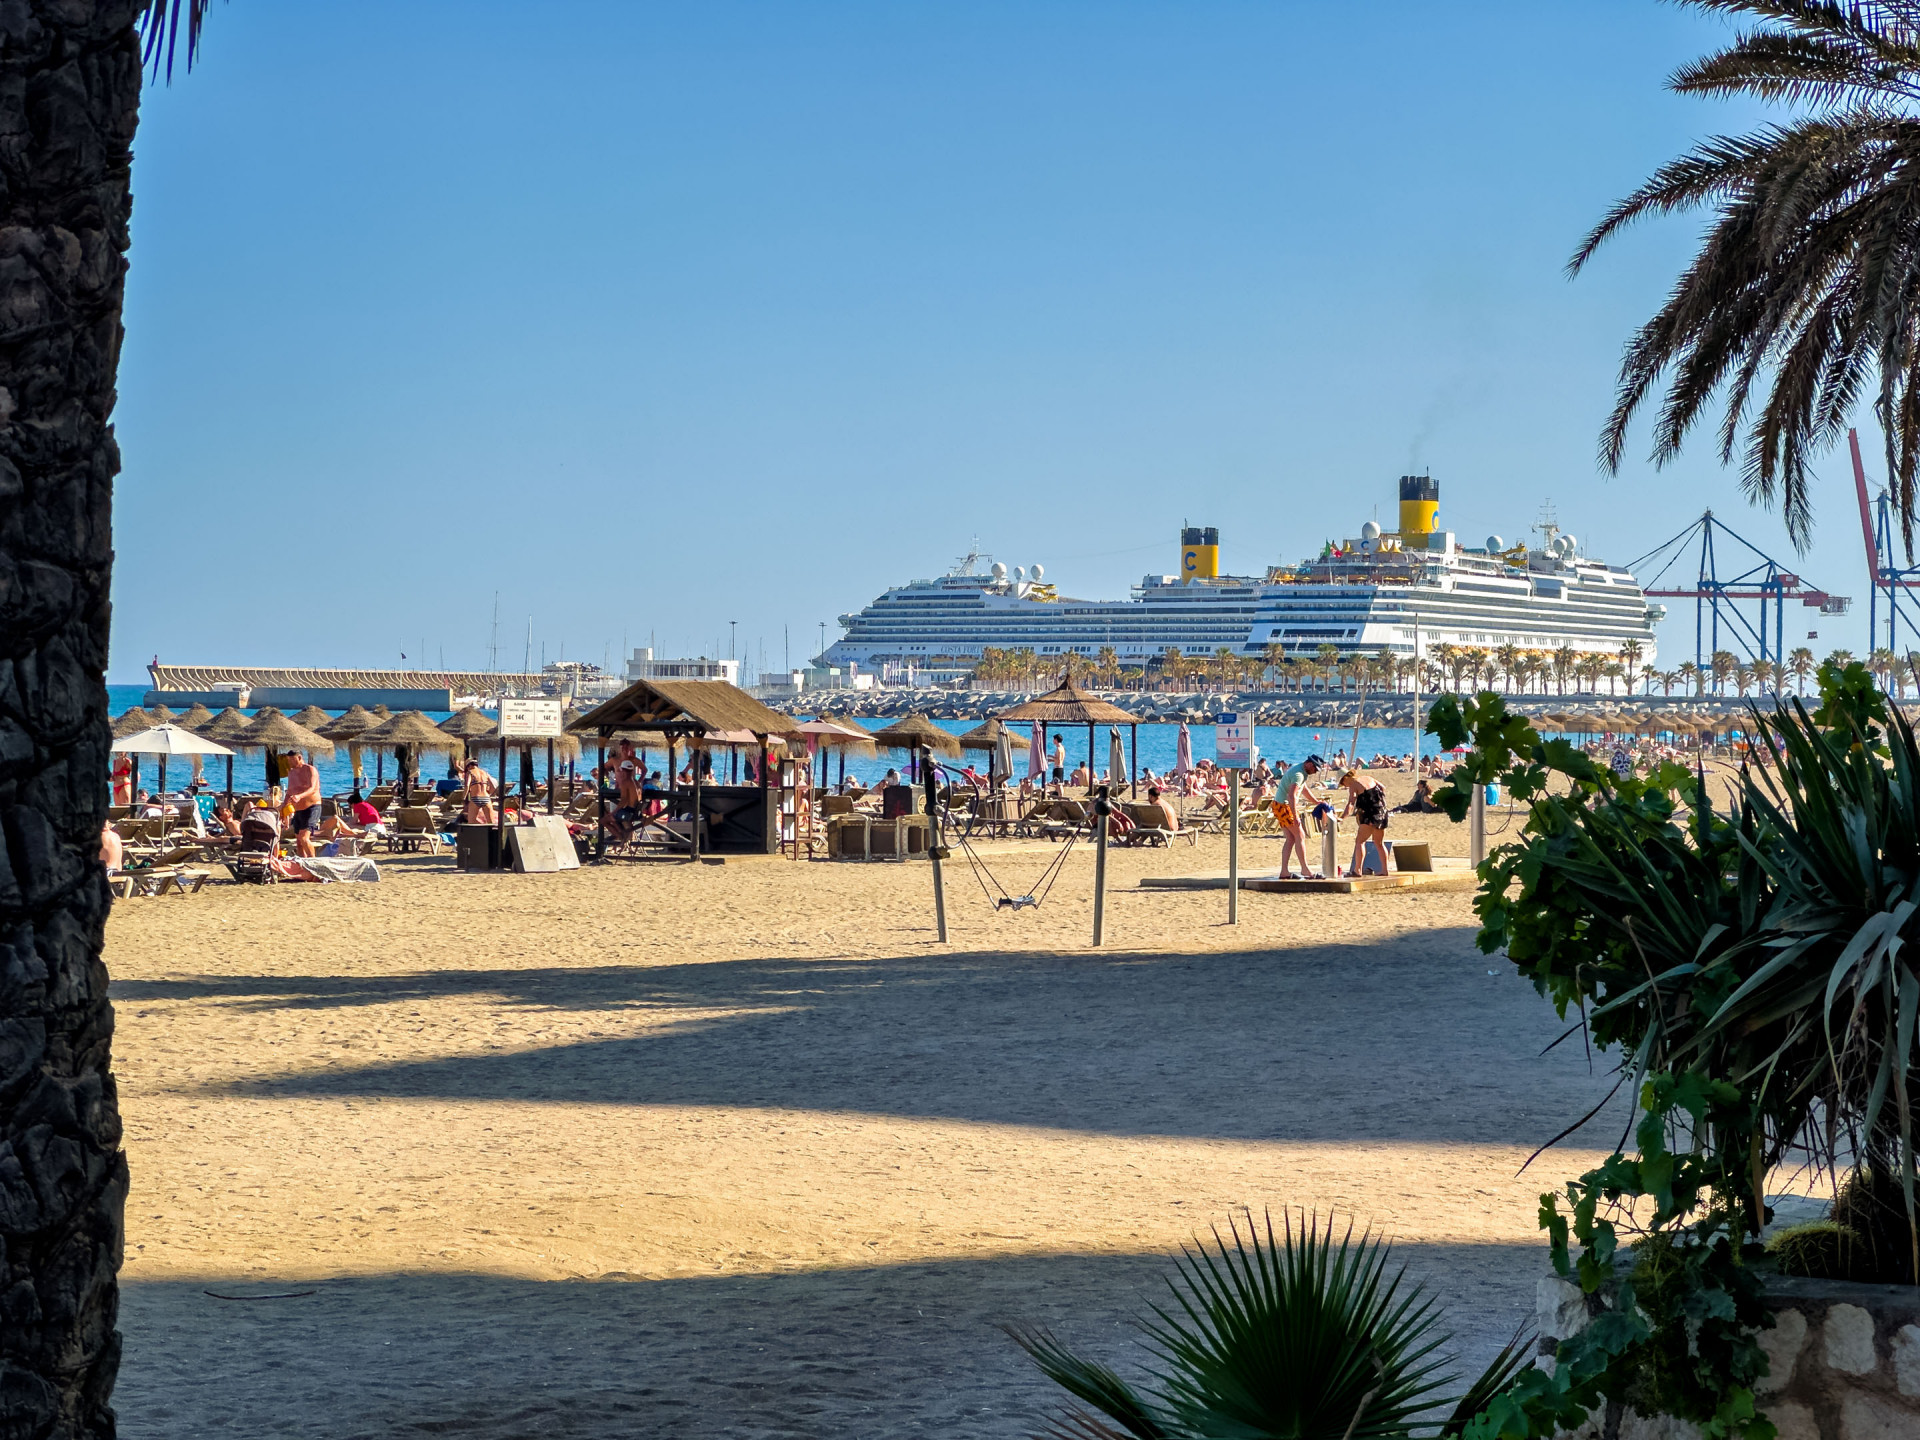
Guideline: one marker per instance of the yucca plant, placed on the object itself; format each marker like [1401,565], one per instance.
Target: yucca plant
[1302,1333]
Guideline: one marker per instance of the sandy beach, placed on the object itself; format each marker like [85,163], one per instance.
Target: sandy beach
[657,1149]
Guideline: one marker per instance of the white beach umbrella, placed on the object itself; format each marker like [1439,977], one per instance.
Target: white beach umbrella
[1037,757]
[1003,757]
[1116,759]
[1183,752]
[165,740]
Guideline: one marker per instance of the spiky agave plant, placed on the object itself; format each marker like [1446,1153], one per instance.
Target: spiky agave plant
[1299,1334]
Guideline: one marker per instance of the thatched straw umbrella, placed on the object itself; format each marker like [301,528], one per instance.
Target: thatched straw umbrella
[1068,704]
[276,733]
[346,729]
[312,716]
[226,728]
[406,734]
[132,722]
[914,734]
[467,725]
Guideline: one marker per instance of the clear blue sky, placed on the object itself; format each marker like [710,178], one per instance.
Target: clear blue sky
[654,317]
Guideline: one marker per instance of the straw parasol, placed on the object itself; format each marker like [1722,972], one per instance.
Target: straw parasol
[350,724]
[132,723]
[1068,704]
[193,717]
[160,713]
[411,731]
[469,724]
[917,732]
[984,737]
[278,732]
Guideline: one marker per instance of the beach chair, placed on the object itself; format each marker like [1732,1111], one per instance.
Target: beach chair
[413,828]
[1150,828]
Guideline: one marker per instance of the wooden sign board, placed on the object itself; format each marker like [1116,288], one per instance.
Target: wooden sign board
[530,719]
[542,847]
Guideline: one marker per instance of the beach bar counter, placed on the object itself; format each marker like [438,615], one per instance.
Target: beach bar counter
[695,714]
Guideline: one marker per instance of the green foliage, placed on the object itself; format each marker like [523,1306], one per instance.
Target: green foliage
[1293,1334]
[1750,967]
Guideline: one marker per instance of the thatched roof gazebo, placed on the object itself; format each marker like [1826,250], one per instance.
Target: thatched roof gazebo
[349,725]
[1068,704]
[406,734]
[311,716]
[741,818]
[193,717]
[278,732]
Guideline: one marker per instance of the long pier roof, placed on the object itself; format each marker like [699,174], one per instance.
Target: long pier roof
[461,682]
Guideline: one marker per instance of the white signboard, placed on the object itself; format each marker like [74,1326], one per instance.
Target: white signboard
[530,719]
[1233,743]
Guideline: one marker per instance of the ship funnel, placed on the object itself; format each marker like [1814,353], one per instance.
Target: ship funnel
[1419,505]
[1199,553]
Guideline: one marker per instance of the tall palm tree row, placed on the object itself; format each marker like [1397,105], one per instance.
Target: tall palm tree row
[70,77]
[1800,301]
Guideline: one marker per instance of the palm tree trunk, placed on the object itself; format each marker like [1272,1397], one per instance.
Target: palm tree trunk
[69,98]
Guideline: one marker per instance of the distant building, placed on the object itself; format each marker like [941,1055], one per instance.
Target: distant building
[644,667]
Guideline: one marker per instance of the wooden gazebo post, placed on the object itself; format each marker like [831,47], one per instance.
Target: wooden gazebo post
[696,800]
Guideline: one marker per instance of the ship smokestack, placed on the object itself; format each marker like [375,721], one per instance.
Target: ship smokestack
[1419,507]
[1199,553]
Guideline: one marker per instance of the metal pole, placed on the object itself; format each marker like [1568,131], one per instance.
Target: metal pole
[1100,809]
[1233,847]
[550,776]
[500,815]
[600,803]
[1330,847]
[935,851]
[694,753]
[1416,696]
[1134,747]
[1477,825]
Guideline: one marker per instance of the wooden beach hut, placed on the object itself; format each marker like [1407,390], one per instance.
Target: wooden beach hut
[1068,704]
[735,819]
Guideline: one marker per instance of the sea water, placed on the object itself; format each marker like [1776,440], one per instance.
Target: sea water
[1159,744]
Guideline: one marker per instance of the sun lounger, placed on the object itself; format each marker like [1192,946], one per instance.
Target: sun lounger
[413,828]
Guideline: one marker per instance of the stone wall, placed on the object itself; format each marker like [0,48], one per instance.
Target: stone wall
[1843,1361]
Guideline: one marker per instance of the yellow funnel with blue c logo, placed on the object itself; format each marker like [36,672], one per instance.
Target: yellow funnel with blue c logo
[1199,553]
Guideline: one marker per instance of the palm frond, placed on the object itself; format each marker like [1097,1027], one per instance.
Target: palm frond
[159,23]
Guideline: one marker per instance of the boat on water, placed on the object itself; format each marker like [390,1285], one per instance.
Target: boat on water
[1367,594]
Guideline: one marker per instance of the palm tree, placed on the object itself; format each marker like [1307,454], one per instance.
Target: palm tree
[1742,678]
[1880,665]
[1722,664]
[1796,304]
[1107,664]
[1564,660]
[1800,663]
[1764,672]
[1630,653]
[1838,659]
[71,105]
[1275,655]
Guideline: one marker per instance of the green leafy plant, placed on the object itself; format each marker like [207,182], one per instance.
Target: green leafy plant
[1294,1334]
[1749,965]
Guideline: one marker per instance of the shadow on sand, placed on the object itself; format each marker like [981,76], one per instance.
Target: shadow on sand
[1405,1038]
[907,1350]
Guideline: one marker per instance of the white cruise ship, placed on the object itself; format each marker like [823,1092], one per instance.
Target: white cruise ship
[1365,595]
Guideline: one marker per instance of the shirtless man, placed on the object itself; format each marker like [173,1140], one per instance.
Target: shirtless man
[303,794]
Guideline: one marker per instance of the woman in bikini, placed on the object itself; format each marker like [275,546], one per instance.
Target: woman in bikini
[1367,803]
[478,809]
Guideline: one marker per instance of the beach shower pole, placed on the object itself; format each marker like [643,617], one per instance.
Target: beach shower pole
[500,813]
[550,776]
[1233,847]
[934,851]
[1477,825]
[1099,863]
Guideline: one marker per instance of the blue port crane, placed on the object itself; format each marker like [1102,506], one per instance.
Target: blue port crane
[1719,602]
[1888,582]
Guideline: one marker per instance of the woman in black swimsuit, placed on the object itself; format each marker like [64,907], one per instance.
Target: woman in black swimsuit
[1367,803]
